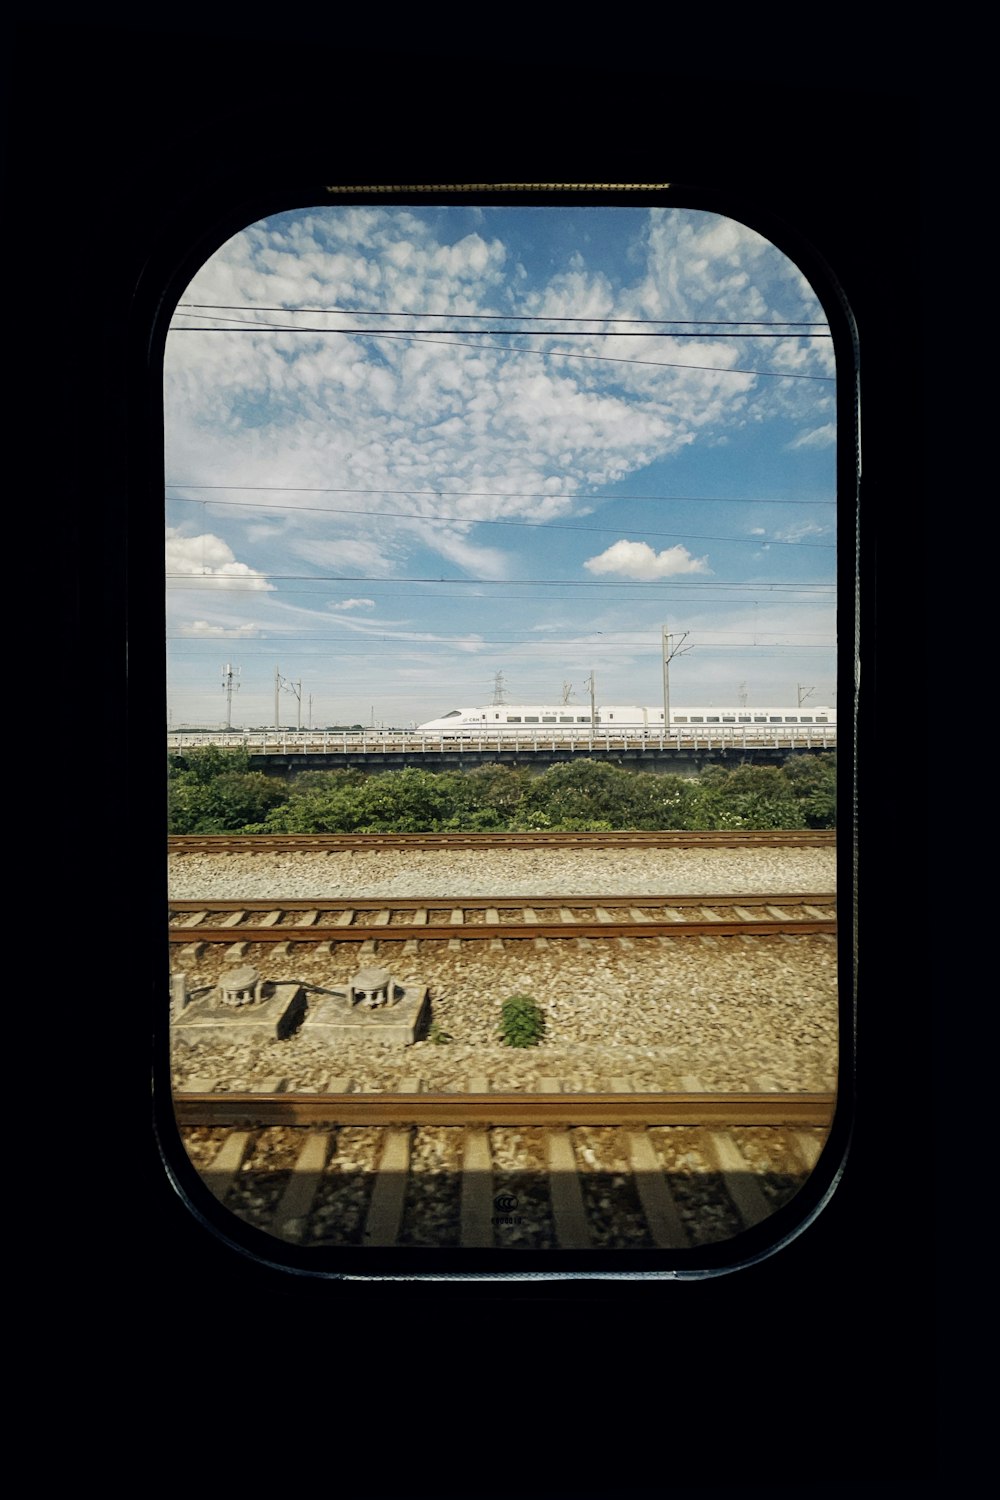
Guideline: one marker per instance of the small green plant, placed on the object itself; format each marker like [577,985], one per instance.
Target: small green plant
[438,1036]
[522,1023]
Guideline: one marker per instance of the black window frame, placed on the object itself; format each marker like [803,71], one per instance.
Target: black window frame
[710,1258]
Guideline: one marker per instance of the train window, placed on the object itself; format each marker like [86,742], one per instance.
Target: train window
[791,720]
[805,719]
[386,414]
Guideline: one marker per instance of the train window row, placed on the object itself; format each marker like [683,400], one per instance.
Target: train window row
[528,719]
[678,719]
[756,719]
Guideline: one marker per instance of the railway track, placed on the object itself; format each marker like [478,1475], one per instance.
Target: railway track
[475,1170]
[478,919]
[320,843]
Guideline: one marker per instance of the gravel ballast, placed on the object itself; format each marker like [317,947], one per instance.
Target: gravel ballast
[501,872]
[739,1013]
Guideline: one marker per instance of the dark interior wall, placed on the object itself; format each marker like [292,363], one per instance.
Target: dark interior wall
[119,139]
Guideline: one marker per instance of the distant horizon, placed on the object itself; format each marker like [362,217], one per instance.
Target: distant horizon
[806,707]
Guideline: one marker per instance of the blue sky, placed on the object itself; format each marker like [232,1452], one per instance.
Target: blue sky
[505,480]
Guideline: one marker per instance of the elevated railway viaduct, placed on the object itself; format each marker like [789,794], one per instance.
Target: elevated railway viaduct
[278,755]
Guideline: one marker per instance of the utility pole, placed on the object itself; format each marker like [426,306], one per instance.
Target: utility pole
[803,693]
[291,687]
[668,657]
[499,690]
[593,709]
[227,682]
[567,692]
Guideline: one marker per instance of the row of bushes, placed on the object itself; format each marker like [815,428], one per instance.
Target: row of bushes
[214,791]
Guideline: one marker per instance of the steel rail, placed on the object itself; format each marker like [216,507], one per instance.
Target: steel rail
[260,843]
[482,931]
[647,917]
[499,903]
[498,1110]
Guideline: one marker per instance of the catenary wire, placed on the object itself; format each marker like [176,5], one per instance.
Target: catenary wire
[477,494]
[402,515]
[657,364]
[366,312]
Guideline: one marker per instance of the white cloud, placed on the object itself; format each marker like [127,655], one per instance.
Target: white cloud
[471,642]
[354,604]
[434,414]
[638,560]
[366,557]
[210,557]
[198,628]
[820,437]
[485,562]
[801,530]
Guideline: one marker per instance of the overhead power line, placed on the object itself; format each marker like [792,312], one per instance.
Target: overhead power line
[404,515]
[658,364]
[568,583]
[507,333]
[371,312]
[560,642]
[304,489]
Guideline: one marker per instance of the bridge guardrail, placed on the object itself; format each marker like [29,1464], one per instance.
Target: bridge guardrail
[385,741]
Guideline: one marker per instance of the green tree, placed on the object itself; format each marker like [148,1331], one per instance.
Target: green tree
[487,797]
[587,792]
[206,762]
[747,796]
[813,781]
[225,804]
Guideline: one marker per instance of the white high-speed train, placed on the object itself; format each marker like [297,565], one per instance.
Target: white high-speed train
[570,719]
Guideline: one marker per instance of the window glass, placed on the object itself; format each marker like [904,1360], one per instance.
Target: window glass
[422,449]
